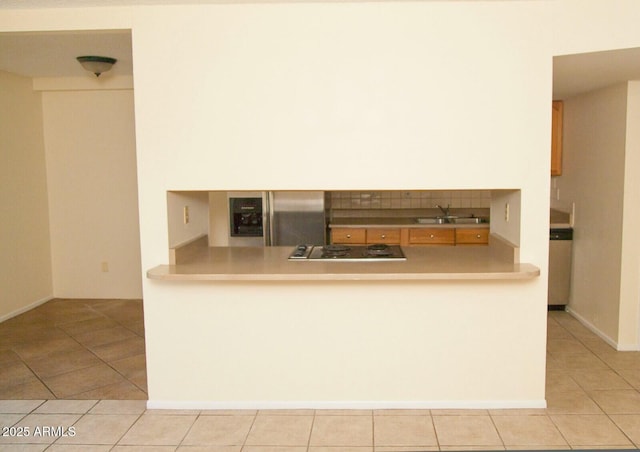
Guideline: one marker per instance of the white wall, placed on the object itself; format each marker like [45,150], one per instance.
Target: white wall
[600,174]
[198,212]
[599,25]
[219,230]
[91,171]
[359,344]
[25,249]
[629,326]
[581,26]
[390,91]
[593,178]
[326,96]
[506,209]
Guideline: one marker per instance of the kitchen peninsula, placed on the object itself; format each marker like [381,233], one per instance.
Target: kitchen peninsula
[262,331]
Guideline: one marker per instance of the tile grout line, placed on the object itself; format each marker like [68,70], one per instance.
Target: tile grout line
[611,420]
[373,430]
[253,421]
[77,420]
[39,379]
[588,395]
[313,421]
[118,322]
[103,315]
[30,412]
[128,429]
[566,440]
[58,326]
[609,367]
[35,374]
[435,431]
[189,430]
[549,414]
[493,422]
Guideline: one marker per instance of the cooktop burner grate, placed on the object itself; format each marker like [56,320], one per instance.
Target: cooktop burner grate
[362,253]
[379,250]
[336,248]
[335,251]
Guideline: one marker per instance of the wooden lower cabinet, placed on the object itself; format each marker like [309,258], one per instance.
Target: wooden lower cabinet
[472,236]
[428,236]
[355,236]
[389,236]
[410,236]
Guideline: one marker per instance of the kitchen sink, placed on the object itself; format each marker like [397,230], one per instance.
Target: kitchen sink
[451,220]
[469,220]
[432,220]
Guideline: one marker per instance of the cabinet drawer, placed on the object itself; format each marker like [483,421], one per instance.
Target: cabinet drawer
[380,235]
[348,235]
[431,236]
[472,236]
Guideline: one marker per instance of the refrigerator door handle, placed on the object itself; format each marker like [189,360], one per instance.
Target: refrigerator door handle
[268,234]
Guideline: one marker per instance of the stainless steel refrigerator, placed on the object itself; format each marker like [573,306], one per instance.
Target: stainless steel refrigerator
[295,217]
[276,218]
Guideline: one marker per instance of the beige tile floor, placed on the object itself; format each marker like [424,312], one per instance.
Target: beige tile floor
[74,349]
[592,395]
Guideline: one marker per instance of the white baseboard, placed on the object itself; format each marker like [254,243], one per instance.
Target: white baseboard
[35,304]
[591,327]
[346,405]
[628,348]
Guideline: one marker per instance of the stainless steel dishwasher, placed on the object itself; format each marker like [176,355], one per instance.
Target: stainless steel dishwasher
[560,242]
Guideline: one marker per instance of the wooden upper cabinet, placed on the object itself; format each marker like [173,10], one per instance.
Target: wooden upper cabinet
[556,138]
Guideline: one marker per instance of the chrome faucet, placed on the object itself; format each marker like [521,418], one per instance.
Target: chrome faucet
[444,210]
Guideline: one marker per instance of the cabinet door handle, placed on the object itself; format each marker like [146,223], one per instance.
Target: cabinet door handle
[383,236]
[348,236]
[478,236]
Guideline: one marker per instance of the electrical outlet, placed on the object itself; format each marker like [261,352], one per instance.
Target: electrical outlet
[506,212]
[105,267]
[185,214]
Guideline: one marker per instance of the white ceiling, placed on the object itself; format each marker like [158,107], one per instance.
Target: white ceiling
[574,74]
[31,4]
[54,54]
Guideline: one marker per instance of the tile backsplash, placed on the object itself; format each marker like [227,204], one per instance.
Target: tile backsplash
[414,199]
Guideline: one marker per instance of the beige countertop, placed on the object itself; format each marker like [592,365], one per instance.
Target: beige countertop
[423,263]
[384,222]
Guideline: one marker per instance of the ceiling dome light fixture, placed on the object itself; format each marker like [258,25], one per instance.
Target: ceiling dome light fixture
[96,64]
